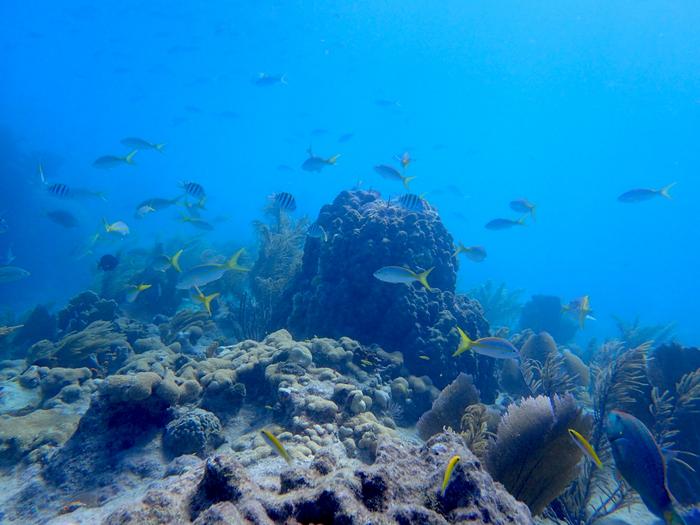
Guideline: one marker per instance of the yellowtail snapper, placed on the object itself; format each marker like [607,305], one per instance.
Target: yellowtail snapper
[523,206]
[399,274]
[135,290]
[206,300]
[504,224]
[645,194]
[112,161]
[391,173]
[475,253]
[316,163]
[163,262]
[495,347]
[316,231]
[137,143]
[197,223]
[204,274]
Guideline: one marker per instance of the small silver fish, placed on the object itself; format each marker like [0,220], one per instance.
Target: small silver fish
[399,274]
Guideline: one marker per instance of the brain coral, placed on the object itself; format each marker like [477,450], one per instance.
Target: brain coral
[335,293]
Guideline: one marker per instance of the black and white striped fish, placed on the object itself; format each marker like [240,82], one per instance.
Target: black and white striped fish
[317,232]
[412,202]
[64,191]
[285,201]
[194,189]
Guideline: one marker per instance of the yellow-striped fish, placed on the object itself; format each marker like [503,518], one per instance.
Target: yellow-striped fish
[204,299]
[272,440]
[448,473]
[585,446]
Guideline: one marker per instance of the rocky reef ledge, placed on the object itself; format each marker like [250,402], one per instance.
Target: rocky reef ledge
[174,438]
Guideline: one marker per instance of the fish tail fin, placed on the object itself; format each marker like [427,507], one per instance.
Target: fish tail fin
[185,218]
[465,343]
[406,180]
[129,159]
[232,263]
[664,192]
[159,147]
[175,260]
[459,249]
[423,278]
[207,299]
[533,213]
[41,174]
[333,159]
[283,79]
[521,220]
[105,224]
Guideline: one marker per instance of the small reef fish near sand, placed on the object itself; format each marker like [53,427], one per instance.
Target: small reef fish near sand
[112,161]
[206,300]
[645,194]
[135,290]
[448,473]
[583,444]
[10,274]
[276,445]
[138,144]
[475,253]
[315,163]
[208,273]
[391,173]
[495,347]
[504,224]
[639,460]
[399,274]
[523,206]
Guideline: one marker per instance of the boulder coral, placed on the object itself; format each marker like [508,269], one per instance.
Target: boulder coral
[335,293]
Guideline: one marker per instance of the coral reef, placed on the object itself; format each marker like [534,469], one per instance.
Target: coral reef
[335,293]
[83,310]
[192,432]
[544,313]
[448,408]
[533,455]
[389,491]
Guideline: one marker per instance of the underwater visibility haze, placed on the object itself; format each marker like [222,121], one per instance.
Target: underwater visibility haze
[349,262]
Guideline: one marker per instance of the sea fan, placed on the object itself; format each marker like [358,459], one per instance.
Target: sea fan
[533,455]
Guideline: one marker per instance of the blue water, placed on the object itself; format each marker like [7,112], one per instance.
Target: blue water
[566,103]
